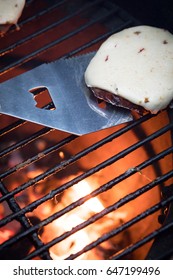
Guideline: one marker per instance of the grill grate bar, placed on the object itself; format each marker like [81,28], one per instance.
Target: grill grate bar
[47,28]
[36,241]
[31,232]
[97,39]
[26,141]
[95,193]
[11,127]
[86,174]
[123,227]
[37,157]
[30,19]
[85,152]
[148,238]
[43,49]
[110,234]
[18,123]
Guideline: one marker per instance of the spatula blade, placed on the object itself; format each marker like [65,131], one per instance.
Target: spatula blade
[77,110]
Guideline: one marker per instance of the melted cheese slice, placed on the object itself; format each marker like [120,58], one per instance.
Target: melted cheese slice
[136,64]
[10,11]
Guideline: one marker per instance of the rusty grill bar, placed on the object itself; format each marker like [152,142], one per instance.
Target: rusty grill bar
[110,9]
[11,62]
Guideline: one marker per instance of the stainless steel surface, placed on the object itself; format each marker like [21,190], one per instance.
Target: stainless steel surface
[77,111]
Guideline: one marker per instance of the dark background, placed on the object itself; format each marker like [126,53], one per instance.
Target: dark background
[150,12]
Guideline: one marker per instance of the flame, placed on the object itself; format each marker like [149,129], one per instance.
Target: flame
[5,235]
[71,244]
[93,204]
[80,239]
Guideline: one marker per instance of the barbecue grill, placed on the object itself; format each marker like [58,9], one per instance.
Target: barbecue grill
[128,168]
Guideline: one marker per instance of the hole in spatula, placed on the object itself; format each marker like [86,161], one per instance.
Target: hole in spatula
[43,98]
[101,104]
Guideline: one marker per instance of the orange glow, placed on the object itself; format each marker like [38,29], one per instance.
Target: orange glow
[80,239]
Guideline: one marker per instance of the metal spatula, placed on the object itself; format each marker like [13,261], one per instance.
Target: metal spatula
[77,110]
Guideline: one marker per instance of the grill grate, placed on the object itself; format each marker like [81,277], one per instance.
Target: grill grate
[103,18]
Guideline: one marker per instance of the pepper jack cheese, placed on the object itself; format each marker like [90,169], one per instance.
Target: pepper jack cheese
[134,67]
[10,11]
